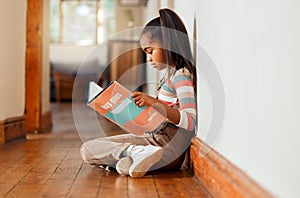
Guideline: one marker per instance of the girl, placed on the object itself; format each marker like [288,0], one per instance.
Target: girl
[165,41]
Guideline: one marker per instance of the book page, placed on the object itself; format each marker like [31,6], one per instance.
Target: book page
[94,90]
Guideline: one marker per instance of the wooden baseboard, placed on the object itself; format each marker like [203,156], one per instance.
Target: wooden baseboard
[12,129]
[45,122]
[220,177]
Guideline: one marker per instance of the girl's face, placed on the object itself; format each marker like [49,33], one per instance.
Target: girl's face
[154,51]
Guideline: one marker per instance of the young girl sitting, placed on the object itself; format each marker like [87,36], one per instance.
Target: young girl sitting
[165,41]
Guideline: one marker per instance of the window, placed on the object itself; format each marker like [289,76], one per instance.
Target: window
[81,22]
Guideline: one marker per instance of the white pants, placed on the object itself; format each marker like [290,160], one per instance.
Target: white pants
[107,150]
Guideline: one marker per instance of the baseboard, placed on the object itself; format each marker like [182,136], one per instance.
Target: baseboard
[45,122]
[12,129]
[220,177]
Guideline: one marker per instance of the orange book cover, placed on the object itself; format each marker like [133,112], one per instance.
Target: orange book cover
[115,103]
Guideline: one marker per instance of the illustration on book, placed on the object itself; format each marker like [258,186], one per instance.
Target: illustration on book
[115,103]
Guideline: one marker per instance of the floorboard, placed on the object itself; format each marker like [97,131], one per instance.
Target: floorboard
[49,165]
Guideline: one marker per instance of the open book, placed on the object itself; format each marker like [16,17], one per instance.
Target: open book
[115,103]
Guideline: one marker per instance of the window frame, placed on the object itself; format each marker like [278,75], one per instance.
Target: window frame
[98,24]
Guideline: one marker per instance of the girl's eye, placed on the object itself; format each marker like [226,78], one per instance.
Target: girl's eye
[149,51]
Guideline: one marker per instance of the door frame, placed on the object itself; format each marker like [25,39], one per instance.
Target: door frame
[33,65]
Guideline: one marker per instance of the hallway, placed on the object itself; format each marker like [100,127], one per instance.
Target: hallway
[49,165]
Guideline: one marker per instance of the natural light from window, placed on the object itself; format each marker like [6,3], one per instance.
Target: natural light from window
[81,22]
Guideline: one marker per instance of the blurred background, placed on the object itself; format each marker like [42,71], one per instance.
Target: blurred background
[253,44]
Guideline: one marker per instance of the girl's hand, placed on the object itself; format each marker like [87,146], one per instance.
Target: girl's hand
[142,99]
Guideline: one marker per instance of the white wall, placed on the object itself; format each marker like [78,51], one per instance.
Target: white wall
[12,58]
[70,53]
[255,45]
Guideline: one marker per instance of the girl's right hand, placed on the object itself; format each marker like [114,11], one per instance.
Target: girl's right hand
[142,99]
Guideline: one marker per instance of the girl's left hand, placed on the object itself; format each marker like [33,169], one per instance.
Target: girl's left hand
[142,99]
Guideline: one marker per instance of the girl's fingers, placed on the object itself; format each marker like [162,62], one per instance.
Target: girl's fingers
[141,103]
[139,98]
[135,94]
[136,99]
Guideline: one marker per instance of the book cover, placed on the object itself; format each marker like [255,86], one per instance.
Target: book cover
[115,103]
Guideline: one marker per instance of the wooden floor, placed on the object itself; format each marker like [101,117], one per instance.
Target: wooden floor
[49,165]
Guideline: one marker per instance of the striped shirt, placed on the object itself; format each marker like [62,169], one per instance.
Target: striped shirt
[178,92]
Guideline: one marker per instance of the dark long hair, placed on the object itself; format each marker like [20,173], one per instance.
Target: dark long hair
[176,45]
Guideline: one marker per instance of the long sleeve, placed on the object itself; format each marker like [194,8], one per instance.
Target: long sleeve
[179,91]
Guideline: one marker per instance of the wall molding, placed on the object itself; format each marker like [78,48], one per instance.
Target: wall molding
[219,176]
[12,129]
